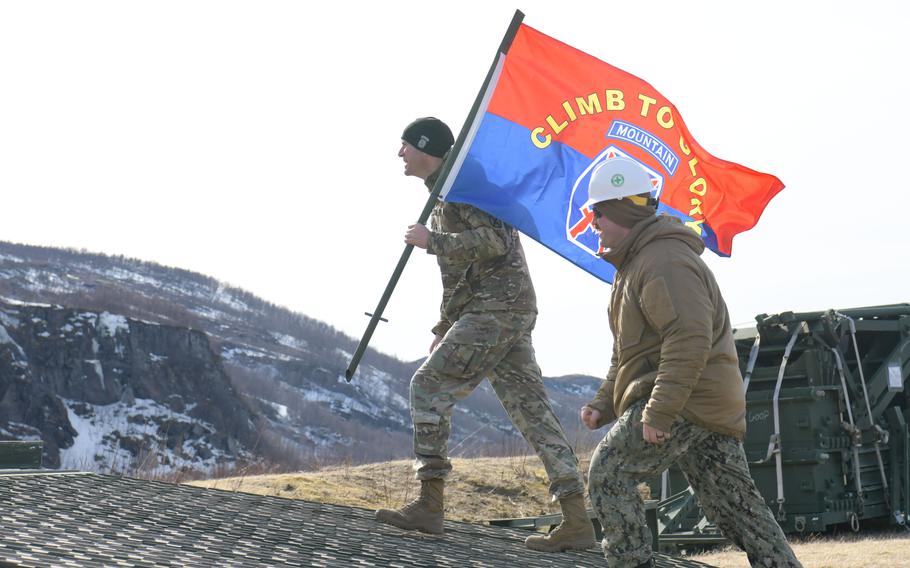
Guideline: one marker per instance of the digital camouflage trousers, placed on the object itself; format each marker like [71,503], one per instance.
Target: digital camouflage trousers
[716,469]
[497,346]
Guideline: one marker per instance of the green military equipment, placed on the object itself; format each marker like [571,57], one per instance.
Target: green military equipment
[21,455]
[827,410]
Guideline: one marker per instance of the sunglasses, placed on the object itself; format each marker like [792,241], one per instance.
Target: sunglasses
[597,214]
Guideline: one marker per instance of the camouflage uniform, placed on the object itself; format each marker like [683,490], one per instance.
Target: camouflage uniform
[488,312]
[716,468]
[675,369]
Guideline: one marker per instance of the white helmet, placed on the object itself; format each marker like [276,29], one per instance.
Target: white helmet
[617,178]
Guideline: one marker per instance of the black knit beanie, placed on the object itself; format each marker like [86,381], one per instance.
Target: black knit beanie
[429,135]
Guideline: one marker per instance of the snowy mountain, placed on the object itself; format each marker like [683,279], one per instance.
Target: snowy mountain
[105,392]
[96,360]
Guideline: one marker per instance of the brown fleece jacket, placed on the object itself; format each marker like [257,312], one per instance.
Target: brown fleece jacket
[672,338]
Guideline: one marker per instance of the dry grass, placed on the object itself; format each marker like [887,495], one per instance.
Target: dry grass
[477,489]
[854,551]
[488,488]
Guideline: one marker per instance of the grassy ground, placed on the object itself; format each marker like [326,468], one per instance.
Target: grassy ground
[481,488]
[488,488]
[856,551]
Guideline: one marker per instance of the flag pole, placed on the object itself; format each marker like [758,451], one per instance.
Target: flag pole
[434,196]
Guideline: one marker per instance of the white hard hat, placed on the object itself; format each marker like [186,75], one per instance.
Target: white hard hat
[617,178]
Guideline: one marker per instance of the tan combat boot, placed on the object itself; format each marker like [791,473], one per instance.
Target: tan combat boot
[423,514]
[575,532]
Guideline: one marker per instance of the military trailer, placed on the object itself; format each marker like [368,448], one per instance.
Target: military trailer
[827,412]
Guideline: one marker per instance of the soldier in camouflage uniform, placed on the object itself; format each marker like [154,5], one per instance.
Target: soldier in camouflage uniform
[487,314]
[674,386]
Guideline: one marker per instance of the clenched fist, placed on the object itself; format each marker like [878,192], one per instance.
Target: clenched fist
[417,235]
[590,417]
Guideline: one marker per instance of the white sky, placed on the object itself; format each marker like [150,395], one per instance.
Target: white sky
[256,142]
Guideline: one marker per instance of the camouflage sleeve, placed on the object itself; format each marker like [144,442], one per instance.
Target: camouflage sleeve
[442,326]
[677,304]
[487,237]
[603,400]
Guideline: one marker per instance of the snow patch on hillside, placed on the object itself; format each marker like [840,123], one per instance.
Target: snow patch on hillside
[110,324]
[21,432]
[130,276]
[289,341]
[14,302]
[225,297]
[96,448]
[98,370]
[280,408]
[232,353]
[376,384]
[5,338]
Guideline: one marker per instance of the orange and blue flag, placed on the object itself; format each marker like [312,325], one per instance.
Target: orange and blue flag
[551,114]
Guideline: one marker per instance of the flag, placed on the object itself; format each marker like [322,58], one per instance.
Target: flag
[551,114]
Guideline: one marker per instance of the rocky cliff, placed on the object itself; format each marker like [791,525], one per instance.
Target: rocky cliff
[101,388]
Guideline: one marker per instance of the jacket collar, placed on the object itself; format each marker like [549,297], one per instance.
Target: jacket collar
[647,231]
[431,179]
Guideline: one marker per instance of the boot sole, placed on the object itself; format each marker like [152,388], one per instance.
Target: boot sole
[561,548]
[404,525]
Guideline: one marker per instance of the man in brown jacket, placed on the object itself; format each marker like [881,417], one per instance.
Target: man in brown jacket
[674,388]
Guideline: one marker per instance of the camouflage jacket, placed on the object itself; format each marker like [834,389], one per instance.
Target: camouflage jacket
[672,338]
[482,262]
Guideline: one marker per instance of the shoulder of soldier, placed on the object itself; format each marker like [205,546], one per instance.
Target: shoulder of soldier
[479,217]
[670,263]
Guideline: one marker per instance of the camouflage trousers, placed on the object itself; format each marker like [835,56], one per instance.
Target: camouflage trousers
[494,345]
[716,469]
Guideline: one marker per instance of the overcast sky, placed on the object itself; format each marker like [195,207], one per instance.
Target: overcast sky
[256,142]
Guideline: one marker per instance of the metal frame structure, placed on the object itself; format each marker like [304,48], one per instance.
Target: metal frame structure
[827,413]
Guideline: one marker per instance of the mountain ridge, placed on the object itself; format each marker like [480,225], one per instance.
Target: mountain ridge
[287,368]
